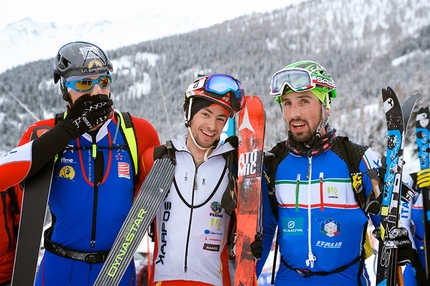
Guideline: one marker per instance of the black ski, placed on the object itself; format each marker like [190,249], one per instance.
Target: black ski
[397,118]
[34,204]
[152,193]
[423,141]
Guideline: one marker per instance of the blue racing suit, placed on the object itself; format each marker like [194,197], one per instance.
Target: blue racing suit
[321,227]
[92,190]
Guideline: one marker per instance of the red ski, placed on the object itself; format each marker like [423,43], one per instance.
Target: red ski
[250,165]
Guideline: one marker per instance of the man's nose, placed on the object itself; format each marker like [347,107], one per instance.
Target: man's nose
[96,90]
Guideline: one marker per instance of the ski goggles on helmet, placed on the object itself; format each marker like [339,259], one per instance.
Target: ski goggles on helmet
[220,88]
[298,80]
[86,84]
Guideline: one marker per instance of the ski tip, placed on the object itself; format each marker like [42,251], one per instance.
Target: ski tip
[388,90]
[252,97]
[416,95]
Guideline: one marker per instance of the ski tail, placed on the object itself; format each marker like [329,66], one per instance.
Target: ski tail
[397,118]
[152,193]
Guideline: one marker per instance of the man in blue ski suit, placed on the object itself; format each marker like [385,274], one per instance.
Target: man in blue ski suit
[322,228]
[97,171]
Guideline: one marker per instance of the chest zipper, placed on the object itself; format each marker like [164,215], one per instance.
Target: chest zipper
[297,191]
[311,257]
[98,177]
[190,221]
[322,191]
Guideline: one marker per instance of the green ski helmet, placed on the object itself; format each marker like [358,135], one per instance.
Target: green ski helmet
[302,76]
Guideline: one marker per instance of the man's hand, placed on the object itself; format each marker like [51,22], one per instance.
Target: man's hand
[399,238]
[257,246]
[87,112]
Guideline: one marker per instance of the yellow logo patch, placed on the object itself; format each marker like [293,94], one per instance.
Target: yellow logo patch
[67,172]
[94,64]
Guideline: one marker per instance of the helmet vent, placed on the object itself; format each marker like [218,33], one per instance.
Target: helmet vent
[64,63]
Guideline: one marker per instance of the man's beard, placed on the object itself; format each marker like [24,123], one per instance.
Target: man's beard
[302,137]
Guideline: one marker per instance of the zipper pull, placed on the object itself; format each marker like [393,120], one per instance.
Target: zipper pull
[94,149]
[309,168]
[297,192]
[321,191]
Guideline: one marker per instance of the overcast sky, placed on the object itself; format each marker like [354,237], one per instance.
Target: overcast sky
[203,13]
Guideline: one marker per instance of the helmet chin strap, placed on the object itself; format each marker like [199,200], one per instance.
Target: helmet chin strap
[187,116]
[207,149]
[324,119]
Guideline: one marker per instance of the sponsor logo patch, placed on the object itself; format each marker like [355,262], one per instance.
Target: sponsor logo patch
[330,227]
[211,247]
[67,172]
[292,226]
[123,170]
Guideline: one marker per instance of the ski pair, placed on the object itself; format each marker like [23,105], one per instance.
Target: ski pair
[397,118]
[422,131]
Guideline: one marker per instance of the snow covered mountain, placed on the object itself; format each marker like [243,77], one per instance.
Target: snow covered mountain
[26,41]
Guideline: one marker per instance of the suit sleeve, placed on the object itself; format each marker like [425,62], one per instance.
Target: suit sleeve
[15,166]
[269,226]
[31,155]
[370,160]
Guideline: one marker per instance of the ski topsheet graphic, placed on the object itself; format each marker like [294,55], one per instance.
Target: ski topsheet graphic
[151,194]
[251,144]
[423,144]
[397,118]
[35,200]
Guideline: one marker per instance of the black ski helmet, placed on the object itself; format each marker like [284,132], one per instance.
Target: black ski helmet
[79,59]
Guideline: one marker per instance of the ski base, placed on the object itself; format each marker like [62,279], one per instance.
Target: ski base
[250,163]
[151,194]
[33,211]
